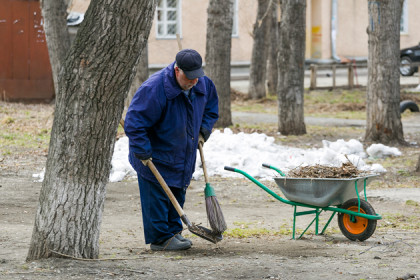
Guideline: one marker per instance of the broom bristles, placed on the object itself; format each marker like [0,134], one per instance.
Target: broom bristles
[215,215]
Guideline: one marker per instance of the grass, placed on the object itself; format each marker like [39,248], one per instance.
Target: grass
[336,104]
[245,230]
[342,104]
[327,104]
[285,230]
[24,128]
[400,221]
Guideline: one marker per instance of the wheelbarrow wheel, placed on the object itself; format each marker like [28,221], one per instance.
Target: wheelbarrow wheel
[354,227]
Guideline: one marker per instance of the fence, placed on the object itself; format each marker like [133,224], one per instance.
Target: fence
[355,76]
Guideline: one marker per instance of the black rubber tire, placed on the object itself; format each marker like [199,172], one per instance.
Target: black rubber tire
[406,70]
[365,227]
[408,104]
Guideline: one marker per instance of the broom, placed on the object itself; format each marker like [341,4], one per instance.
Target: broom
[214,212]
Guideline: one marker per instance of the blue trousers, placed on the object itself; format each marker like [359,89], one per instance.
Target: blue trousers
[160,219]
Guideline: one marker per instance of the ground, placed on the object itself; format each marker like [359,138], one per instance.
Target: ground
[257,245]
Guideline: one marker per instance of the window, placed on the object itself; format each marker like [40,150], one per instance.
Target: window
[404,18]
[235,31]
[168,18]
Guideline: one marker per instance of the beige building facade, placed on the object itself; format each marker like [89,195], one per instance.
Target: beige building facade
[351,22]
[335,29]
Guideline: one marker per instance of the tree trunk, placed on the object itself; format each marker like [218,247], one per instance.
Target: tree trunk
[418,165]
[383,88]
[291,63]
[141,75]
[272,71]
[57,35]
[93,84]
[218,45]
[258,69]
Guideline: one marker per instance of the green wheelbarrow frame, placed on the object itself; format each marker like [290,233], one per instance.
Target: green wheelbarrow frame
[317,209]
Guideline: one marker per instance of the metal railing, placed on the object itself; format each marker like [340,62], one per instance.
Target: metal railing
[352,74]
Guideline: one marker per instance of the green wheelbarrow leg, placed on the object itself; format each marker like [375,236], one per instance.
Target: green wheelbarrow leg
[317,213]
[316,220]
[329,221]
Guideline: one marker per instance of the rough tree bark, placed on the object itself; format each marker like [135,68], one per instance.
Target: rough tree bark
[272,71]
[54,13]
[383,88]
[418,165]
[258,68]
[291,63]
[92,86]
[218,52]
[142,73]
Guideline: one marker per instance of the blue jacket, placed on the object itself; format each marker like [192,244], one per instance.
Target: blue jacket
[163,123]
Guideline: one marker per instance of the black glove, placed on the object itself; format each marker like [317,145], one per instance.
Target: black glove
[204,133]
[144,159]
[201,140]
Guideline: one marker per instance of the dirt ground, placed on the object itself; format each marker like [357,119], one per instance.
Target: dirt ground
[258,244]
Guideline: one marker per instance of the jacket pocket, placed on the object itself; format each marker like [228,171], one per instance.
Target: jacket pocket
[167,158]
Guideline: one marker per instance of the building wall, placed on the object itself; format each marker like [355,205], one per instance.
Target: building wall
[351,36]
[352,39]
[194,29]
[242,45]
[318,26]
[412,37]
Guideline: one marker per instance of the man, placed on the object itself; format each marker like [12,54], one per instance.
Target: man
[170,113]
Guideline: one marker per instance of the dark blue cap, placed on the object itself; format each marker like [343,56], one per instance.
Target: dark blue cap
[189,61]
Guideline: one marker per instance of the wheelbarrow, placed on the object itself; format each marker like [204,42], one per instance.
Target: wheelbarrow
[356,217]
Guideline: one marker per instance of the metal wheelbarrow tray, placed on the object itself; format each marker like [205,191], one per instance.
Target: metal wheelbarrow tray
[356,217]
[321,192]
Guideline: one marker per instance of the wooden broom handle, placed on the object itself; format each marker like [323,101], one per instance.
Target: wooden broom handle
[165,188]
[178,39]
[203,162]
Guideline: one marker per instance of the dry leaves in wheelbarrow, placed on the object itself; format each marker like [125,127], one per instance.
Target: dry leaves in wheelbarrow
[347,170]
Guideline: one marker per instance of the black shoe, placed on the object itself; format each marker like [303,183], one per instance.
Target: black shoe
[171,244]
[182,238]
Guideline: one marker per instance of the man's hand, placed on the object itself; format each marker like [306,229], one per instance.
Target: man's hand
[146,161]
[144,158]
[201,140]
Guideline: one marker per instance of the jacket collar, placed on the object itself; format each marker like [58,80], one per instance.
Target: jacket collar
[172,89]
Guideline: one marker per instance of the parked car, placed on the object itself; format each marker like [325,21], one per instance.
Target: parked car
[408,56]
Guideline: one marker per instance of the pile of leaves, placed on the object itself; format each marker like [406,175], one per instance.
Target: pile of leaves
[347,170]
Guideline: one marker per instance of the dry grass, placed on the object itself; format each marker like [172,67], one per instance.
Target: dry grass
[25,128]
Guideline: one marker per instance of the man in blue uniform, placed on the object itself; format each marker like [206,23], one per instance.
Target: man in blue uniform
[170,113]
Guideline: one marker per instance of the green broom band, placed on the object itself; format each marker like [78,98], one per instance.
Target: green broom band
[209,191]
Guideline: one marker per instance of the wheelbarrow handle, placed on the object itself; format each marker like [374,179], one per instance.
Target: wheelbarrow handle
[274,168]
[228,168]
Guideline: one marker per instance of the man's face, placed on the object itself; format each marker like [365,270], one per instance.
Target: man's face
[183,81]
